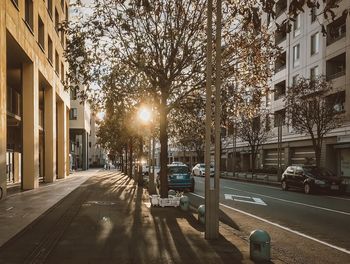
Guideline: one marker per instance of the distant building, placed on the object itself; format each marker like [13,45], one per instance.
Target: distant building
[79,132]
[305,52]
[97,155]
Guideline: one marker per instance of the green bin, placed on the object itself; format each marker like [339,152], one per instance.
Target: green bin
[260,245]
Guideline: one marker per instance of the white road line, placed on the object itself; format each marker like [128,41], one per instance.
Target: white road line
[287,201]
[284,228]
[339,198]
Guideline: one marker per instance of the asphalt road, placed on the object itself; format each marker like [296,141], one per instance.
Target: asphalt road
[308,228]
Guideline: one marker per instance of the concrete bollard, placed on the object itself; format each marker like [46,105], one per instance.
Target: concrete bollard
[171,192]
[201,214]
[184,203]
[260,245]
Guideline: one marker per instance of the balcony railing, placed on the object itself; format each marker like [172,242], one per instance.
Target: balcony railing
[335,75]
[340,32]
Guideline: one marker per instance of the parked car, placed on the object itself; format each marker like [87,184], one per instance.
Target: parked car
[179,177]
[310,179]
[199,170]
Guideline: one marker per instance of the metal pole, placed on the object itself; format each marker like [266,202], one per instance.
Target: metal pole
[234,150]
[217,121]
[279,139]
[208,196]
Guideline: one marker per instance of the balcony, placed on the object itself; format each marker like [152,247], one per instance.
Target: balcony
[280,90]
[336,30]
[281,34]
[280,63]
[336,67]
[281,6]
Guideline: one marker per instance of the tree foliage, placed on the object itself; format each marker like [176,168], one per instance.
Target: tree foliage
[311,110]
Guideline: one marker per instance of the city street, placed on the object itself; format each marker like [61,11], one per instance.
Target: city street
[306,227]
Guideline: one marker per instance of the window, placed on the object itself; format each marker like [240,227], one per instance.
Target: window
[41,34]
[50,49]
[336,67]
[73,93]
[28,14]
[313,14]
[57,63]
[313,72]
[66,13]
[62,72]
[280,117]
[296,25]
[57,20]
[295,79]
[315,43]
[73,114]
[280,63]
[336,30]
[62,38]
[336,101]
[296,55]
[281,6]
[280,90]
[49,7]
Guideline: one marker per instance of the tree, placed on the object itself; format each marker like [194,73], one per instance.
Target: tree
[187,125]
[253,127]
[163,42]
[311,108]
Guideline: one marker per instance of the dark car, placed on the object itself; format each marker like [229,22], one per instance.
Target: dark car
[179,177]
[310,179]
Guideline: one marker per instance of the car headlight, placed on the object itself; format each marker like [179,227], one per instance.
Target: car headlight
[319,182]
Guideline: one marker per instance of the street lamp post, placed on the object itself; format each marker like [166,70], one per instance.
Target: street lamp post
[212,194]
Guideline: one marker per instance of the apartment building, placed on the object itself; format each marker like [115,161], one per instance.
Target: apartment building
[33,104]
[79,132]
[97,154]
[305,52]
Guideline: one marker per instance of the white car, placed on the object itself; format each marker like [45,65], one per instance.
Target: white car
[199,170]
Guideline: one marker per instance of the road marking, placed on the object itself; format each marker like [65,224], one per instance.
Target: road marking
[287,201]
[283,227]
[339,198]
[246,199]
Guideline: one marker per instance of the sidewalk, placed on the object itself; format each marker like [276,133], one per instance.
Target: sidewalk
[20,208]
[108,219]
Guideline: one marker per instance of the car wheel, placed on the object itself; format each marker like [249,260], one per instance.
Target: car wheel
[307,188]
[284,186]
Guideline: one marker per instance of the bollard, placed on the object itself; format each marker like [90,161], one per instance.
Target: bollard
[184,203]
[171,192]
[201,214]
[260,245]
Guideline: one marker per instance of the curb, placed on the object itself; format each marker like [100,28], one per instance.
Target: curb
[251,181]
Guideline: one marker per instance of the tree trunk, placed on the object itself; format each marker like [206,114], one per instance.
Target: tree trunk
[253,153]
[163,138]
[318,153]
[121,163]
[140,179]
[125,169]
[130,157]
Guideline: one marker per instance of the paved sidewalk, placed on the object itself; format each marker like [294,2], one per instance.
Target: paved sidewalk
[108,219]
[19,209]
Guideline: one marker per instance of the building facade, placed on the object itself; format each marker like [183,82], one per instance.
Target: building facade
[97,154]
[33,103]
[79,132]
[305,52]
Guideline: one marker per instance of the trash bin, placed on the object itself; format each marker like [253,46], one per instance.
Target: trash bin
[184,203]
[260,245]
[201,213]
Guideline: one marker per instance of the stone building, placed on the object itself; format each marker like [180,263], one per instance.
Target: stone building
[33,104]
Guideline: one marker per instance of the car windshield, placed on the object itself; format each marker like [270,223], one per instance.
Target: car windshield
[177,169]
[319,172]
